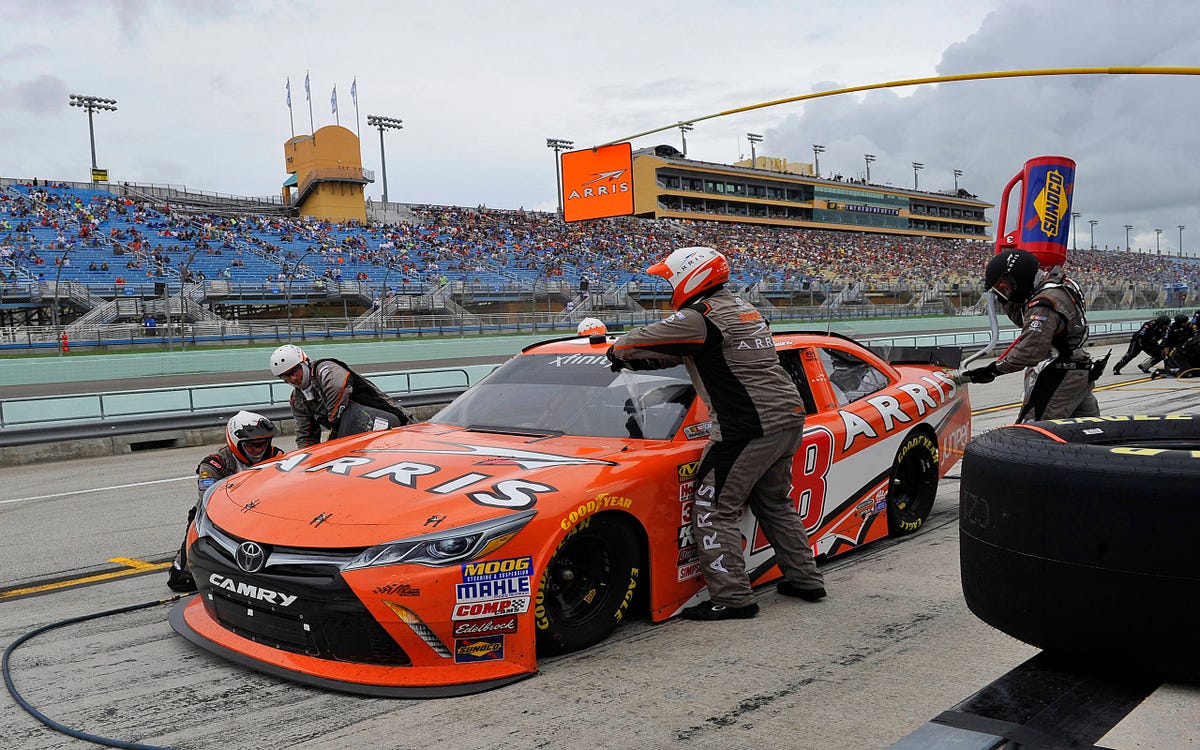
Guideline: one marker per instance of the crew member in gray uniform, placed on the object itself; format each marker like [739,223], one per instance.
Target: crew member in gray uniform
[1059,373]
[757,426]
[329,395]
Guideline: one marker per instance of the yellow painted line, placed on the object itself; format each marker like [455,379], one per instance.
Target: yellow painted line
[132,567]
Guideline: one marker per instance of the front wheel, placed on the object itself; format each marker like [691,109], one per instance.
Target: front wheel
[913,486]
[588,586]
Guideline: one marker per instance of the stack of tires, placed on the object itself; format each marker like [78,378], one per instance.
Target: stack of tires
[1082,537]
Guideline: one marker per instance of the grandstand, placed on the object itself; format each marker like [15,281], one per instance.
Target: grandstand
[85,258]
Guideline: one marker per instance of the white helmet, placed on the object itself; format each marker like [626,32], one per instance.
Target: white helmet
[249,435]
[285,358]
[591,327]
[691,271]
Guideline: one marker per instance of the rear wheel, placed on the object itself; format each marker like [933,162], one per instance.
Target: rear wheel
[588,586]
[913,486]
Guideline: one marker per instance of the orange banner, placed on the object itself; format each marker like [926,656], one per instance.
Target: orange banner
[597,182]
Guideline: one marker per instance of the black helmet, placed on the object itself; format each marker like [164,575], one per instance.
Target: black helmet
[1162,320]
[1010,274]
[1181,319]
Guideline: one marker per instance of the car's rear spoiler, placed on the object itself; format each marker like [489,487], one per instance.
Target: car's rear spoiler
[946,356]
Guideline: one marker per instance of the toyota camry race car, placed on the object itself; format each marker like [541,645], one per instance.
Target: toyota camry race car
[533,514]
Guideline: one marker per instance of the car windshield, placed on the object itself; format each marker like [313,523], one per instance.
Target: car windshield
[574,394]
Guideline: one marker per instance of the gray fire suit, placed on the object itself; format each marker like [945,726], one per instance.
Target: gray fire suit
[1051,350]
[212,469]
[757,426]
[332,390]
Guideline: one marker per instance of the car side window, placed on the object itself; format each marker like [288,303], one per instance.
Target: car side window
[851,377]
[790,359]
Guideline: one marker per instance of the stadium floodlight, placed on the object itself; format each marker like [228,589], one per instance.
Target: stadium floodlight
[1157,245]
[559,145]
[1181,228]
[1127,228]
[753,138]
[92,104]
[957,173]
[684,129]
[868,158]
[1093,223]
[917,167]
[384,123]
[817,150]
[1074,230]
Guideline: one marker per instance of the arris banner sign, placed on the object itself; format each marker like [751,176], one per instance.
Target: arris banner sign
[597,182]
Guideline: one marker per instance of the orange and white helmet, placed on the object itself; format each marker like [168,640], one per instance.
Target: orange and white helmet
[591,327]
[691,271]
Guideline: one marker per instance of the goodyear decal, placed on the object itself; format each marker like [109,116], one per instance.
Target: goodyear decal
[603,501]
[1125,418]
[486,648]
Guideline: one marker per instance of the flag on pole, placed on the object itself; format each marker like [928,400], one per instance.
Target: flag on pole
[289,92]
[307,92]
[354,90]
[333,100]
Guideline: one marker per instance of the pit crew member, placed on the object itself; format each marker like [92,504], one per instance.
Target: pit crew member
[326,390]
[1059,373]
[248,439]
[757,426]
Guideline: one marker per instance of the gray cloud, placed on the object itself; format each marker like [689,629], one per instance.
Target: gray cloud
[1131,135]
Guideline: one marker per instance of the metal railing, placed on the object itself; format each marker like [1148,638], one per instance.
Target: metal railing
[170,402]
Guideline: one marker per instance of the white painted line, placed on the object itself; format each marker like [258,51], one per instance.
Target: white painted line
[94,489]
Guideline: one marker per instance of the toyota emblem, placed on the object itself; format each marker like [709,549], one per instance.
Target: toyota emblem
[250,557]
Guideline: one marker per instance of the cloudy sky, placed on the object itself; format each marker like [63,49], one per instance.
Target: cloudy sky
[200,90]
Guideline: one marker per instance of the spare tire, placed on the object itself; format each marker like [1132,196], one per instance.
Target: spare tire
[1079,536]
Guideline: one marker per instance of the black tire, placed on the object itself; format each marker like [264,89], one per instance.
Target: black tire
[913,485]
[588,586]
[1079,537]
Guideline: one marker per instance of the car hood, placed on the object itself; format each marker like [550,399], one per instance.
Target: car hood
[381,486]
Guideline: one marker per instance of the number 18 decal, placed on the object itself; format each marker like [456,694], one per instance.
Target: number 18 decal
[810,466]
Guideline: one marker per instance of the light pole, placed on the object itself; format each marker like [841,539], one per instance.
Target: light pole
[1127,228]
[753,138]
[957,173]
[1157,246]
[291,277]
[817,151]
[684,129]
[92,104]
[384,123]
[1093,223]
[1074,230]
[1181,228]
[559,145]
[917,167]
[868,158]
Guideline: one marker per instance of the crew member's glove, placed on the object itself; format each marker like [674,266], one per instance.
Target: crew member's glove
[982,374]
[614,363]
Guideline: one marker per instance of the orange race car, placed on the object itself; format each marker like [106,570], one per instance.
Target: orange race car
[543,506]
